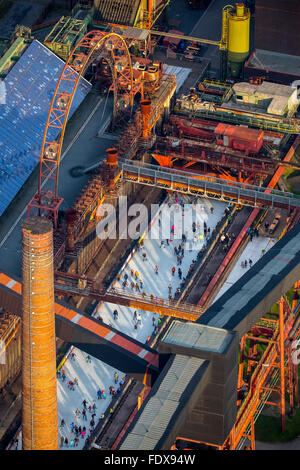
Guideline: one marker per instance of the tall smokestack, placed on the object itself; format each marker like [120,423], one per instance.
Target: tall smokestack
[39,421]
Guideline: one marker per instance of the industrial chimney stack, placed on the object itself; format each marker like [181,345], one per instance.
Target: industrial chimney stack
[39,421]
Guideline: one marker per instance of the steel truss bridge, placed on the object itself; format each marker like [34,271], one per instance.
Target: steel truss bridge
[210,187]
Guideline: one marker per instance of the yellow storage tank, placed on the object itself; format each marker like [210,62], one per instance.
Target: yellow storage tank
[238,37]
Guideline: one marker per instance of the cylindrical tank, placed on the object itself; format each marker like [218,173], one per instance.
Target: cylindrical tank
[238,37]
[112,156]
[39,420]
[146,113]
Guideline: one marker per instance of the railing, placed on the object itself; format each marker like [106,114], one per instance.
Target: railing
[73,284]
[192,182]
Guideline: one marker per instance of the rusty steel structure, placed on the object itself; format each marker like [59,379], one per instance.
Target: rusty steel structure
[39,420]
[10,347]
[86,51]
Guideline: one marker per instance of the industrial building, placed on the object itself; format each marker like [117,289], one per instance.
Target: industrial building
[189,333]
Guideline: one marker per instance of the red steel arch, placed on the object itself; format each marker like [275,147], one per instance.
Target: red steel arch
[92,46]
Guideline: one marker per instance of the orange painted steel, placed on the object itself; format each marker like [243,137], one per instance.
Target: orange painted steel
[75,67]
[146,113]
[87,50]
[272,357]
[39,421]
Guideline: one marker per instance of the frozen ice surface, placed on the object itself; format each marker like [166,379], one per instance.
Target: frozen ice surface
[97,374]
[100,375]
[254,251]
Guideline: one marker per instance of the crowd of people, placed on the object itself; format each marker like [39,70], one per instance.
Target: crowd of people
[85,420]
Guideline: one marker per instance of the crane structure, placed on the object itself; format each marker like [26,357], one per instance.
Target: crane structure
[86,51]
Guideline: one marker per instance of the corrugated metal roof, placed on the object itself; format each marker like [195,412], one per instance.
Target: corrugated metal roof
[114,11]
[158,411]
[181,74]
[29,89]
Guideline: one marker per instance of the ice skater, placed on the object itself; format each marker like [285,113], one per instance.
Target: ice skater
[115,314]
[88,359]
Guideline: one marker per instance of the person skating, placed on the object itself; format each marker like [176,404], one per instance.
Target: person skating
[62,440]
[84,414]
[139,319]
[246,263]
[66,442]
[88,359]
[250,262]
[76,441]
[62,423]
[115,314]
[144,256]
[77,413]
[173,271]
[156,269]
[116,376]
[153,320]
[99,394]
[170,288]
[135,315]
[84,403]
[179,273]
[136,274]
[75,381]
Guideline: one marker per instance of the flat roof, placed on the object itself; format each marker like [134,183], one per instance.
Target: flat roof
[193,335]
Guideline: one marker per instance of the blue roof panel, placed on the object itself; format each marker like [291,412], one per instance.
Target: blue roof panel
[29,89]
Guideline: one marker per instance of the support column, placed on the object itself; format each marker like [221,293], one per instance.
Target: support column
[281,362]
[39,420]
